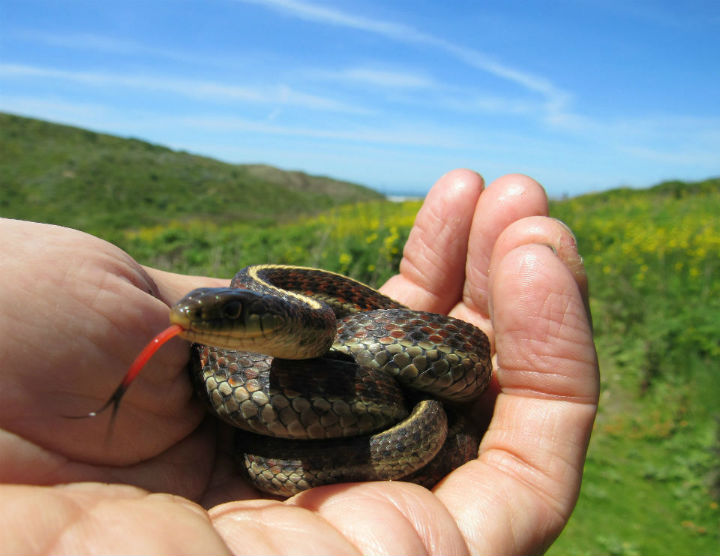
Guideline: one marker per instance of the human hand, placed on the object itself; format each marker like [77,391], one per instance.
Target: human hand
[76,311]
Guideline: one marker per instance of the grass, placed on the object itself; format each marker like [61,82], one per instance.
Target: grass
[60,174]
[652,479]
[364,240]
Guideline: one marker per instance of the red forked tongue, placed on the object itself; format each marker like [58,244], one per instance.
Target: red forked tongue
[137,365]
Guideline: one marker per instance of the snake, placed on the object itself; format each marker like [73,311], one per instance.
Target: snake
[327,380]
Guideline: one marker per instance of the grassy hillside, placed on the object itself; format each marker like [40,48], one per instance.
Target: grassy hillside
[92,181]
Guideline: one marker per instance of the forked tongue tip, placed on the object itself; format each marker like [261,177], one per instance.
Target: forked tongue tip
[140,361]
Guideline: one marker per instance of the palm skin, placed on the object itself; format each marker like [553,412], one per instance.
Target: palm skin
[76,311]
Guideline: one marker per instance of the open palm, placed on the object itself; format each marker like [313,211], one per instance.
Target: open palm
[76,311]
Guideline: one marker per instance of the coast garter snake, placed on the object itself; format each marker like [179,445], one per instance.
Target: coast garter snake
[327,380]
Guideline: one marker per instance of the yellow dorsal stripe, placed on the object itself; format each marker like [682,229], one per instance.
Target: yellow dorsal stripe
[254,273]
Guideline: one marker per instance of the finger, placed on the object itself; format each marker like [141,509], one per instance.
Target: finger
[171,287]
[362,518]
[531,457]
[544,231]
[544,341]
[506,200]
[273,527]
[396,517]
[432,271]
[97,518]
[182,469]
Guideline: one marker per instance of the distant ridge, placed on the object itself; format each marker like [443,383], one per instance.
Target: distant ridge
[93,181]
[670,188]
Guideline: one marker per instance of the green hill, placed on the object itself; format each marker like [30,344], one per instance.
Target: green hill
[91,181]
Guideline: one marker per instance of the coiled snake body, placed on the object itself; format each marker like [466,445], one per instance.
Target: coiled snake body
[329,381]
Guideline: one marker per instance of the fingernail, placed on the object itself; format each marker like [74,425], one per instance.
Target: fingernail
[569,231]
[551,247]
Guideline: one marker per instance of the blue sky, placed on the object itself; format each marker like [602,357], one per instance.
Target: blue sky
[583,95]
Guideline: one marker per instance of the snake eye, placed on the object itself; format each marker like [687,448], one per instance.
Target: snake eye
[232,309]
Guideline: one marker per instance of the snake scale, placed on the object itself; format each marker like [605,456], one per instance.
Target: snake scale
[327,380]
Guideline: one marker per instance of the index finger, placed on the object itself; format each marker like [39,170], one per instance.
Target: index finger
[432,271]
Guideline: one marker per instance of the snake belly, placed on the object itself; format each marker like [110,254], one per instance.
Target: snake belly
[327,380]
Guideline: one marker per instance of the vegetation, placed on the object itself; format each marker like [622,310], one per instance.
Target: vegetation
[96,182]
[652,480]
[364,240]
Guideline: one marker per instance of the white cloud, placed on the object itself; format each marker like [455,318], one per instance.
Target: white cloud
[108,119]
[278,94]
[312,12]
[383,78]
[400,135]
[555,97]
[123,47]
[490,104]
[678,157]
[89,41]
[51,108]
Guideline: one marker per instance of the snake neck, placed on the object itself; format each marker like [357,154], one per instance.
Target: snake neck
[276,310]
[313,287]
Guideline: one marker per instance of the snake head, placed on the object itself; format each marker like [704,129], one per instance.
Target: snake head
[226,317]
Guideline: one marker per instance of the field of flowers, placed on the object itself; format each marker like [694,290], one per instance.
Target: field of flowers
[364,240]
[652,481]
